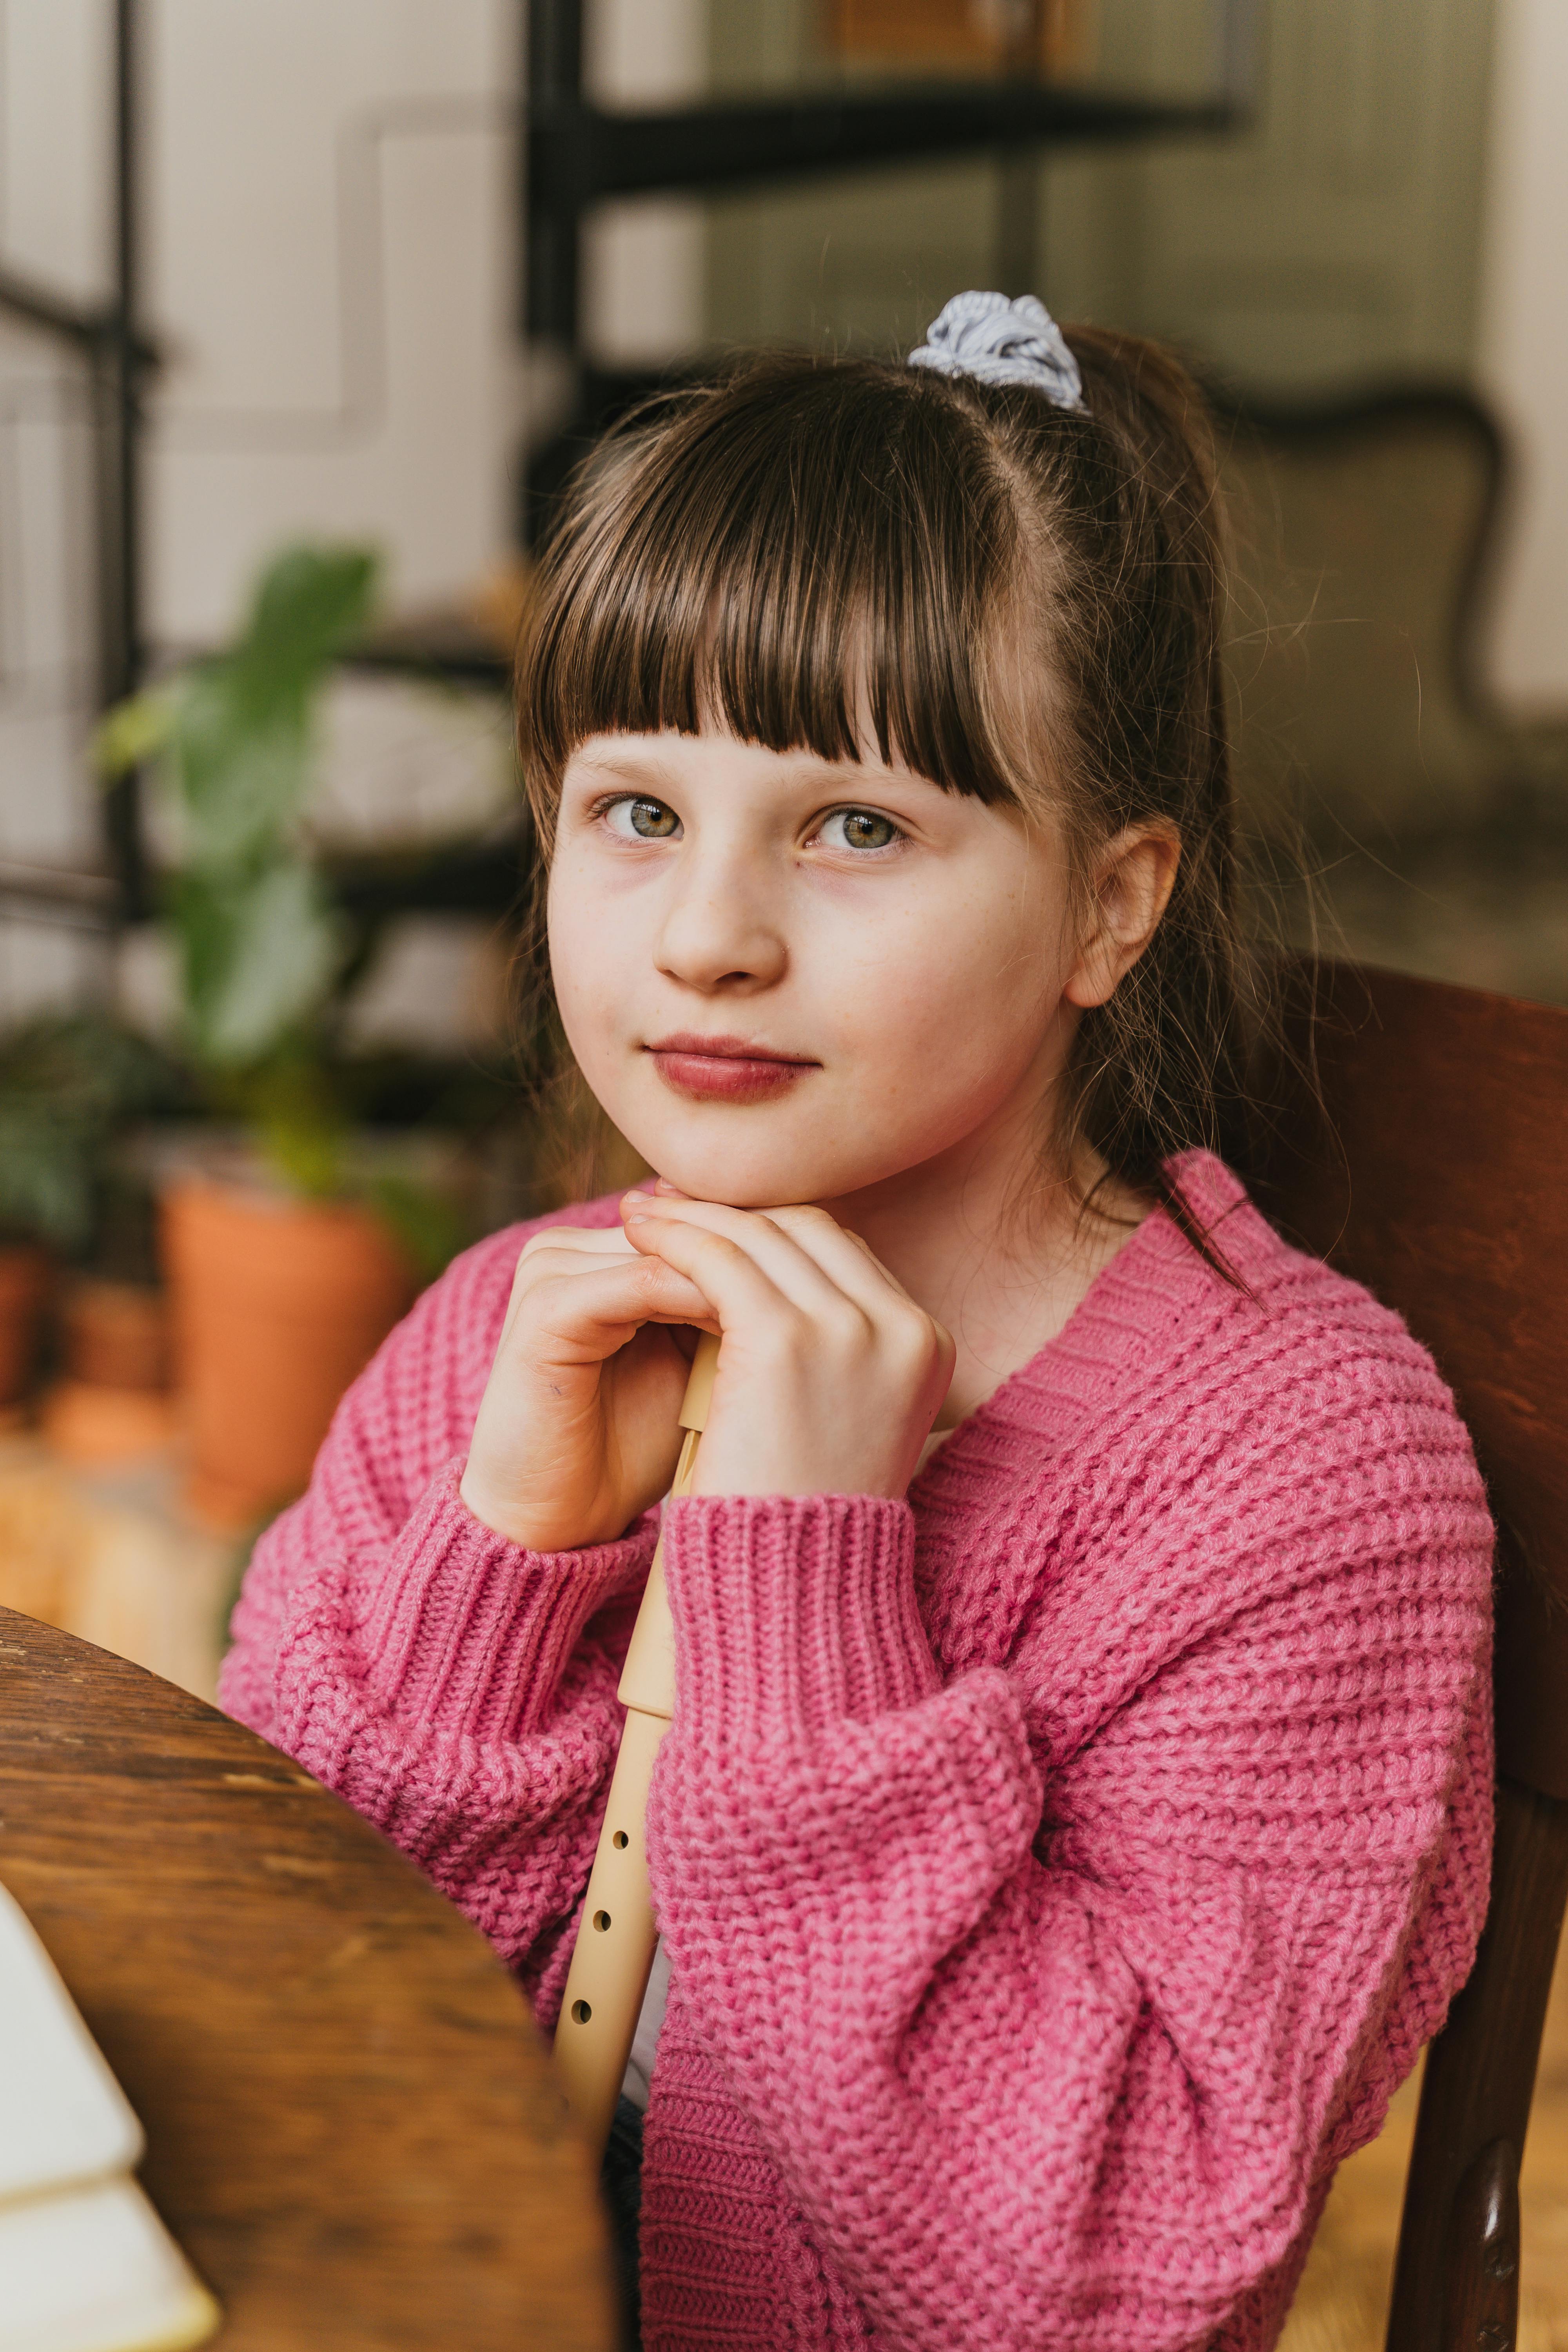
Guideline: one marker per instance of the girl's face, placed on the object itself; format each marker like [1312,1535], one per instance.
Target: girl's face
[788,978]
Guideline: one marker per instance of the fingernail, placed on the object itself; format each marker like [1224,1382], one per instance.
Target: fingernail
[632,1196]
[664,1185]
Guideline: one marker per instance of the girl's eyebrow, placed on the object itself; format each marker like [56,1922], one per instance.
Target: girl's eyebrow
[650,768]
[631,767]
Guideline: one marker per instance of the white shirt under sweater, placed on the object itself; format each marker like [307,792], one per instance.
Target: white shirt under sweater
[645,2040]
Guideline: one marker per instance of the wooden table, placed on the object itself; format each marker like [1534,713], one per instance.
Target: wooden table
[352,2127]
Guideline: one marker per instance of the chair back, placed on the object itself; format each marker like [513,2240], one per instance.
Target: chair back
[1364,531]
[1434,1171]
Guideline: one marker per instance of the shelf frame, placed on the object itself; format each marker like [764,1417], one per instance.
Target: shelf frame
[578,155]
[117,357]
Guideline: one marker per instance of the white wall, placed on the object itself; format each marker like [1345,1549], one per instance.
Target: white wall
[1524,341]
[54,126]
[331,244]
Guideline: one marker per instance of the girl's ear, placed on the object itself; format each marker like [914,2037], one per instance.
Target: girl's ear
[1134,878]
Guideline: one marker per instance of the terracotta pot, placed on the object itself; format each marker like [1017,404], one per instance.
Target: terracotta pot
[26,1275]
[115,1335]
[276,1305]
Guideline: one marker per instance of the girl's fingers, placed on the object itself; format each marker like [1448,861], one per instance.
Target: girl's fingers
[845,1258]
[738,1289]
[790,1241]
[816,1393]
[587,1308]
[832,1289]
[552,1240]
[589,1240]
[792,1271]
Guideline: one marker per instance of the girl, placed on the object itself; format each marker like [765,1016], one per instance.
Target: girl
[1068,1835]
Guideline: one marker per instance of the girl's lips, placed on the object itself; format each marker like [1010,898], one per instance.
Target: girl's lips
[724,1068]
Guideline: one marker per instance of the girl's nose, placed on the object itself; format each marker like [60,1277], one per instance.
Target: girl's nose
[719,931]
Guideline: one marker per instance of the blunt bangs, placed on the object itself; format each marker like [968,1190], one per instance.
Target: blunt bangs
[811,556]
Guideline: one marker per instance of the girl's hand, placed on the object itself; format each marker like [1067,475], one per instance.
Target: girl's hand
[576,1431]
[830,1376]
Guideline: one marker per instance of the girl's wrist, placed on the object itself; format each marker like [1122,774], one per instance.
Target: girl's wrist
[502,1514]
[481,1505]
[516,1521]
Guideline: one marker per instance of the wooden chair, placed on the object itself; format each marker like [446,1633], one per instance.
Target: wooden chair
[1439,1180]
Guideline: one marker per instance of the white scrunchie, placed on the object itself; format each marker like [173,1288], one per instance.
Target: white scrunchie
[999,342]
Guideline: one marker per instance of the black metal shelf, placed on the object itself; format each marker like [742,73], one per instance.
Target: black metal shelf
[117,357]
[585,154]
[445,646]
[86,329]
[578,155]
[459,877]
[78,901]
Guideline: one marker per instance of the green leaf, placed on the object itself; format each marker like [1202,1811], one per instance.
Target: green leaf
[238,727]
[303,1129]
[259,948]
[308,1154]
[86,1065]
[67,1084]
[46,1175]
[308,603]
[258,957]
[133,731]
[243,770]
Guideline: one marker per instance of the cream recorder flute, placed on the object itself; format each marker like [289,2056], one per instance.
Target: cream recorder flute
[617,1934]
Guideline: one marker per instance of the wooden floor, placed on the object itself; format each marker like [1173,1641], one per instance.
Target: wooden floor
[1343,2305]
[111,1559]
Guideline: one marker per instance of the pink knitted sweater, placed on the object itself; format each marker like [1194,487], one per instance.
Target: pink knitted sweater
[1060,1870]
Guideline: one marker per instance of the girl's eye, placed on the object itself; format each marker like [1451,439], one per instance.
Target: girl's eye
[855,828]
[641,820]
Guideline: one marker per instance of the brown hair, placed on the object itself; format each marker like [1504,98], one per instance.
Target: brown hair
[804,548]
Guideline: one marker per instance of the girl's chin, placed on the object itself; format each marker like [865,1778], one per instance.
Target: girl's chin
[742,1188]
[756,1155]
[751,1177]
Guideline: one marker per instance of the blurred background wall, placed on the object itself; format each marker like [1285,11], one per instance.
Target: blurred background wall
[331,268]
[1337,240]
[1521,352]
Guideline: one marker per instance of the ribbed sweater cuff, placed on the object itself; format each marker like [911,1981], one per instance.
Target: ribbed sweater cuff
[793,1613]
[472,1631]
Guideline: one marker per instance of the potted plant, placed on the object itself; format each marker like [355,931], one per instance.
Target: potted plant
[68,1084]
[288,1260]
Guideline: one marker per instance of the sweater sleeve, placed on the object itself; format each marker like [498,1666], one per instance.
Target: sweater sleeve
[456,1689]
[1051,2040]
